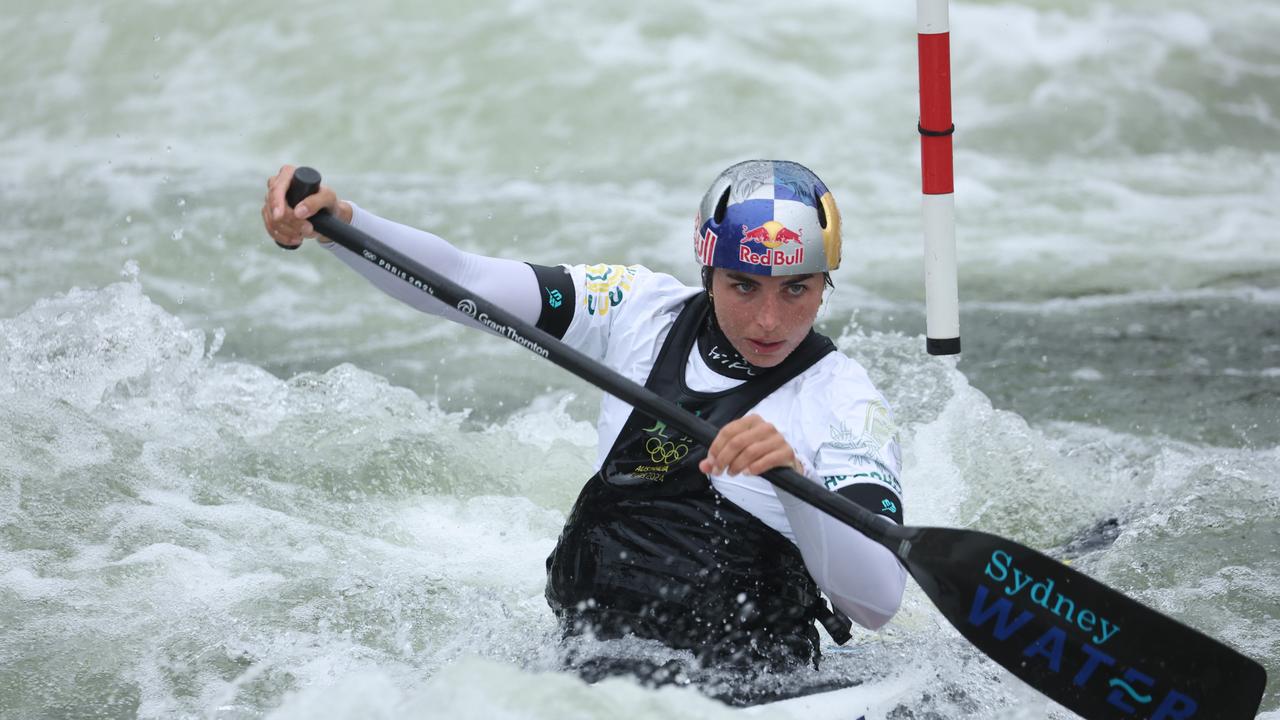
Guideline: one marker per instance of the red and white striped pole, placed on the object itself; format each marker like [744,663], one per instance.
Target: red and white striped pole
[941,288]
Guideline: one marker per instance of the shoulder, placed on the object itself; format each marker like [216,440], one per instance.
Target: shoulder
[621,305]
[605,288]
[836,383]
[847,422]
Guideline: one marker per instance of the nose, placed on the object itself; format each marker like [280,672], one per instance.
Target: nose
[770,313]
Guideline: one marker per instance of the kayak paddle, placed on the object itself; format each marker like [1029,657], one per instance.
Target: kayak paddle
[1092,649]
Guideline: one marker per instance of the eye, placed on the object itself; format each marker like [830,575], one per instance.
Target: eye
[744,287]
[797,290]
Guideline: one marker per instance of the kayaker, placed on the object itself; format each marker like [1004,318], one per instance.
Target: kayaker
[668,540]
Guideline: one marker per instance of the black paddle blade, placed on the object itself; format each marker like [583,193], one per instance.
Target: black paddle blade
[1090,648]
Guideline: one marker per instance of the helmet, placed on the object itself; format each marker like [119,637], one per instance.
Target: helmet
[768,217]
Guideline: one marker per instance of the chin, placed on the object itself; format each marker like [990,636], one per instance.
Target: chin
[769,360]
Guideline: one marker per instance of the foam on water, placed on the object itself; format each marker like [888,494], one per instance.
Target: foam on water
[202,531]
[480,689]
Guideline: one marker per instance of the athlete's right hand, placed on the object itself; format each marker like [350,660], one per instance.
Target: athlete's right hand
[288,226]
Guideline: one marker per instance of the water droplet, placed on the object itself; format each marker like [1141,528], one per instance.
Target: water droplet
[182,202]
[124,241]
[155,38]
[155,76]
[177,234]
[128,218]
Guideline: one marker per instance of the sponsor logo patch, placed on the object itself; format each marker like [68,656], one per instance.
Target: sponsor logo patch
[606,286]
[772,235]
[842,437]
[731,360]
[834,482]
[1073,643]
[467,307]
[663,450]
[878,430]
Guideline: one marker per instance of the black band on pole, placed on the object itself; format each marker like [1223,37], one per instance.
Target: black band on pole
[936,133]
[942,346]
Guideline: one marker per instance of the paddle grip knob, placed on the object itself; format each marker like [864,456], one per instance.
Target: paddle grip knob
[305,183]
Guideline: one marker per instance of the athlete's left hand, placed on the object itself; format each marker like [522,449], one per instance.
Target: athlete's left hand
[748,445]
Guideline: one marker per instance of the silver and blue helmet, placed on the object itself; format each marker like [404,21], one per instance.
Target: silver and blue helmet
[768,217]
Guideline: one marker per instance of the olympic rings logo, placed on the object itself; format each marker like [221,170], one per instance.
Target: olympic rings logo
[665,452]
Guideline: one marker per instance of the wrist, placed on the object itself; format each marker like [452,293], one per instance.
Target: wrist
[344,212]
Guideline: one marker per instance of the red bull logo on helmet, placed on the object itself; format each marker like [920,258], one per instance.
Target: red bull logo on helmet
[772,258]
[773,235]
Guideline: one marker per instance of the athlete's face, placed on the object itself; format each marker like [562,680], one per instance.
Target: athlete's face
[765,317]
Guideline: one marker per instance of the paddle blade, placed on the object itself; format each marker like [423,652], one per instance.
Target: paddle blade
[1090,648]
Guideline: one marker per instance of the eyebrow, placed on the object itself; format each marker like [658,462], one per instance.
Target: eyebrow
[791,280]
[798,279]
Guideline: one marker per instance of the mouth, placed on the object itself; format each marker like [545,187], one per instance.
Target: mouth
[765,348]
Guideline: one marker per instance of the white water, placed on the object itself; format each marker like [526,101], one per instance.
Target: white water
[236,483]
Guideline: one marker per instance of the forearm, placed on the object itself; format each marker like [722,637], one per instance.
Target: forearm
[862,578]
[510,284]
